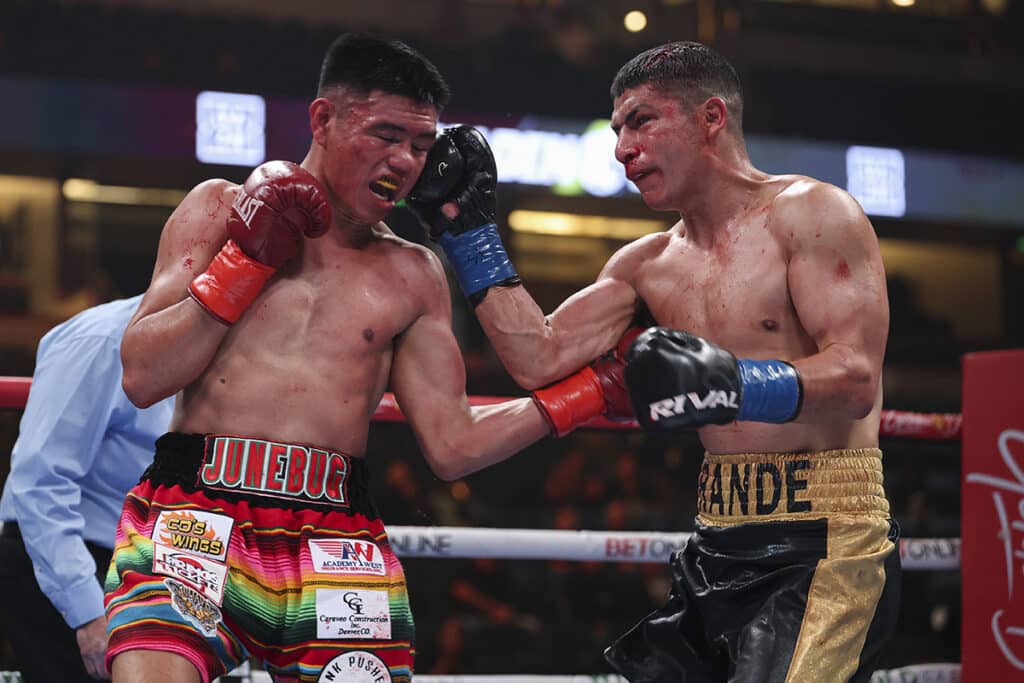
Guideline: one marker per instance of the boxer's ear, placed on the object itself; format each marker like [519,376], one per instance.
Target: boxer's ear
[712,116]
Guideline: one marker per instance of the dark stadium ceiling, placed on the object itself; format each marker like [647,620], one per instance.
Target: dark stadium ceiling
[938,41]
[485,16]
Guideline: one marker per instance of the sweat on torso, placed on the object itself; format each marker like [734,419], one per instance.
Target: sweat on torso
[309,360]
[736,295]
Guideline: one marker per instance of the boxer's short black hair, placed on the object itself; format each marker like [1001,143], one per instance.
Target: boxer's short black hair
[691,70]
[364,63]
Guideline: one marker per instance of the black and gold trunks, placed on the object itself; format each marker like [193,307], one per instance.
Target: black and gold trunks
[790,576]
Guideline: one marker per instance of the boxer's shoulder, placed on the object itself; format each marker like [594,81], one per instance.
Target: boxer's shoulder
[810,209]
[630,259]
[215,193]
[203,212]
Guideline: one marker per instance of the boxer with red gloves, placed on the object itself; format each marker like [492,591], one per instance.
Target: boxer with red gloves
[278,311]
[278,205]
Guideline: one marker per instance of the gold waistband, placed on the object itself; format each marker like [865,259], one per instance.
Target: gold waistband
[751,487]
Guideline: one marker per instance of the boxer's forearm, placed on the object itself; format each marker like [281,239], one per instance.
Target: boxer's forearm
[537,349]
[839,382]
[165,351]
[480,437]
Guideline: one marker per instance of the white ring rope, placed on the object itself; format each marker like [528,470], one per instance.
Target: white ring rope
[917,673]
[605,546]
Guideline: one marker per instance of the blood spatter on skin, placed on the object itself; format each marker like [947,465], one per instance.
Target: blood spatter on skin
[843,270]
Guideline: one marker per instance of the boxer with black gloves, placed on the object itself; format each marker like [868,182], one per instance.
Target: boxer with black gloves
[460,170]
[792,573]
[681,381]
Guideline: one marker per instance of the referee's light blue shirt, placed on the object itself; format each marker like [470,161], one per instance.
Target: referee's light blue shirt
[81,445]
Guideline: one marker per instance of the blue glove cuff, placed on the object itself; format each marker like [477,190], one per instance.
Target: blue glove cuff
[771,391]
[478,257]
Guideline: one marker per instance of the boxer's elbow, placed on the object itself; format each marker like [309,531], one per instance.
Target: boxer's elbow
[862,380]
[136,391]
[448,473]
[443,456]
[138,385]
[445,467]
[542,370]
[532,378]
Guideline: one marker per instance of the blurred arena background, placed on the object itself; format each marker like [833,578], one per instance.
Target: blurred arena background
[111,110]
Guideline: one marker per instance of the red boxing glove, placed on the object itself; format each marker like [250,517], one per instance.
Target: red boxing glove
[279,204]
[598,389]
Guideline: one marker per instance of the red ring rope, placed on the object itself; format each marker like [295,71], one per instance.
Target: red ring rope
[930,426]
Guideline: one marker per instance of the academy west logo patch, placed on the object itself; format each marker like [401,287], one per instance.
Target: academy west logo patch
[346,556]
[278,470]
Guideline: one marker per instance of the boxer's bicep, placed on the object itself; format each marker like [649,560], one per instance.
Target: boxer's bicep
[837,285]
[428,377]
[170,340]
[836,278]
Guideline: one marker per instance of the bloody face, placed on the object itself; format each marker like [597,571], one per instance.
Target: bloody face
[658,144]
[374,150]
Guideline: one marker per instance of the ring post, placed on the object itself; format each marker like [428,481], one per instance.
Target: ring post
[992,559]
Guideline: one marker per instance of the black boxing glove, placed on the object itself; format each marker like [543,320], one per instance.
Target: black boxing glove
[460,169]
[677,380]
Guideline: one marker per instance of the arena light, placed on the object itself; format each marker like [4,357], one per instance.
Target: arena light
[568,163]
[875,176]
[230,128]
[635,21]
[84,190]
[576,225]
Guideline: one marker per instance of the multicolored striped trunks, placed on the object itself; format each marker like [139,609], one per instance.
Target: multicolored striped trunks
[232,547]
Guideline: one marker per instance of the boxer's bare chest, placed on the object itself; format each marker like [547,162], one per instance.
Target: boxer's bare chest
[355,307]
[733,291]
[311,357]
[327,323]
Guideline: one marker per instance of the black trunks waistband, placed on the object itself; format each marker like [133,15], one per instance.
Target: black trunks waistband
[262,472]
